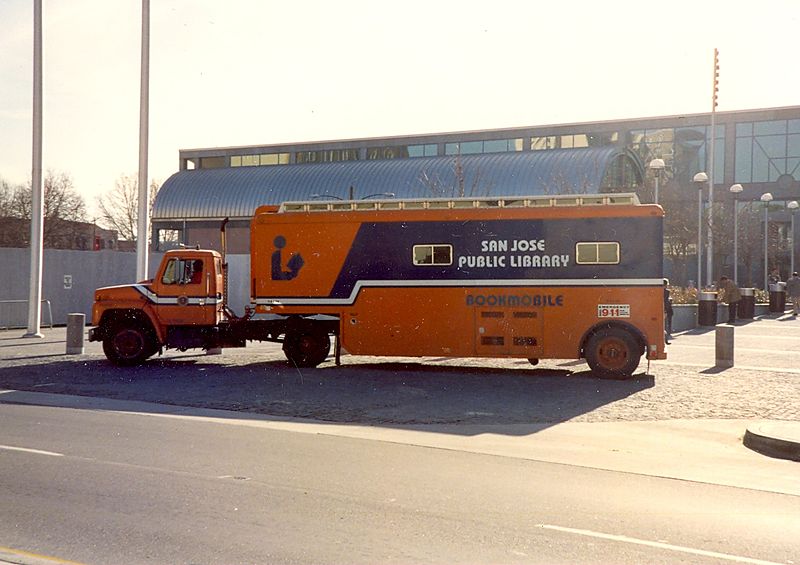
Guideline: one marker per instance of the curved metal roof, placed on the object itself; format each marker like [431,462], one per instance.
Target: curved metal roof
[236,192]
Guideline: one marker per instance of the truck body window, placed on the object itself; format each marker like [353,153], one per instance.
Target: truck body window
[597,253]
[433,255]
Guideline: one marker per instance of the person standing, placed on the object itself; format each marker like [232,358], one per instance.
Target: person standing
[793,292]
[731,295]
[667,313]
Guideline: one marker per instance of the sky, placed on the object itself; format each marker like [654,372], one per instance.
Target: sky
[246,72]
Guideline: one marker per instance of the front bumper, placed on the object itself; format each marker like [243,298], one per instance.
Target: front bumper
[95,334]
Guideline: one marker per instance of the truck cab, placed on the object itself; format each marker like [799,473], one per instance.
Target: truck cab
[177,308]
[189,288]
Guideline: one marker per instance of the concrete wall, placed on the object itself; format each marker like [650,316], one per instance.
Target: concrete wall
[684,316]
[87,270]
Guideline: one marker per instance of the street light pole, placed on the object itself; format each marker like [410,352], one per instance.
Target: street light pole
[37,192]
[700,179]
[710,240]
[793,205]
[736,189]
[711,156]
[766,198]
[657,165]
[142,221]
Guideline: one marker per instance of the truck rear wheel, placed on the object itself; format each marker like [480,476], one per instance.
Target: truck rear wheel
[613,353]
[129,344]
[306,349]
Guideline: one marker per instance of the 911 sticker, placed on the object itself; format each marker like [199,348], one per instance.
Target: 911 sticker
[613,310]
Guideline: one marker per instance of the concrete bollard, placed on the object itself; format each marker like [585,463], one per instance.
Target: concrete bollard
[75,327]
[724,346]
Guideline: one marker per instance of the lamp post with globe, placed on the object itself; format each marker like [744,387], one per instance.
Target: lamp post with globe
[736,189]
[656,165]
[766,198]
[700,179]
[793,205]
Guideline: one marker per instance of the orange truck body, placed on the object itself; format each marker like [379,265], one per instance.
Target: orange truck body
[525,277]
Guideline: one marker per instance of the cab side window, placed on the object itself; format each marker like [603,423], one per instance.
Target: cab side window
[183,271]
[194,272]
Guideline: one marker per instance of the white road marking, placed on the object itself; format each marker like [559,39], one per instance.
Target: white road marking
[737,366]
[750,349]
[10,554]
[659,545]
[36,451]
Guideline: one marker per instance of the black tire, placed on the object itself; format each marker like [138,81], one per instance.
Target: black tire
[129,344]
[613,353]
[306,349]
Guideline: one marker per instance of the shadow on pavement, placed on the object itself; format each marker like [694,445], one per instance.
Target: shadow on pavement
[714,370]
[392,394]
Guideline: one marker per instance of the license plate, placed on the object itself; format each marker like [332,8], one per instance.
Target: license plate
[613,310]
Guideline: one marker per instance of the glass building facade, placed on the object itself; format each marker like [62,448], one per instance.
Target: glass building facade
[759,149]
[755,147]
[767,150]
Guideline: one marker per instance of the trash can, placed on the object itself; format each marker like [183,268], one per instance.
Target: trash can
[747,304]
[777,297]
[706,308]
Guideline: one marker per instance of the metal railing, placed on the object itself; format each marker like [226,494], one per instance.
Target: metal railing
[14,314]
[461,203]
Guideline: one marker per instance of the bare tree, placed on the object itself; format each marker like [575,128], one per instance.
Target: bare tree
[560,184]
[12,229]
[64,210]
[464,184]
[120,207]
[457,186]
[680,231]
[6,196]
[751,242]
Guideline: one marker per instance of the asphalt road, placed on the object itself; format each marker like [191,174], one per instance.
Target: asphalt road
[107,487]
[396,460]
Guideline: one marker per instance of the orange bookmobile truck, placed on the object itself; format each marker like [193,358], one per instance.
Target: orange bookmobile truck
[539,277]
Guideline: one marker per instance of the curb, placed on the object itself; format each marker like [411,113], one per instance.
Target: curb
[774,439]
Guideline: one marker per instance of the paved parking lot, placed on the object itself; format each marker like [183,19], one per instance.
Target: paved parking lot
[769,343]
[764,384]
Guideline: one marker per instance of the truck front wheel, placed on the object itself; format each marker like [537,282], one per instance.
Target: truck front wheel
[306,349]
[129,344]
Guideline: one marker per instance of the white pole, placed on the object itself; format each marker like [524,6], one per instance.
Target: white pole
[736,240]
[766,235]
[37,201]
[657,175]
[710,242]
[791,249]
[700,237]
[792,206]
[711,155]
[144,187]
